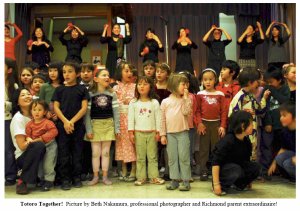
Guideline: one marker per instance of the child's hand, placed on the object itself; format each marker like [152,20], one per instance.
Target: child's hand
[221,132]
[28,139]
[217,189]
[164,140]
[251,111]
[201,129]
[69,127]
[294,160]
[186,94]
[272,168]
[131,136]
[90,135]
[157,136]
[268,128]
[54,117]
[267,94]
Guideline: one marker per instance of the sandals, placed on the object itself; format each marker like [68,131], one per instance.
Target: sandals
[140,182]
[157,181]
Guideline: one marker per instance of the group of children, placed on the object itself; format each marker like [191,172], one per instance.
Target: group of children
[160,119]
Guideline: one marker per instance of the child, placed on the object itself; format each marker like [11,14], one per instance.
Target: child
[216,47]
[44,130]
[228,85]
[10,89]
[276,53]
[37,81]
[125,150]
[286,157]
[174,131]
[162,74]
[86,76]
[149,69]
[70,105]
[245,100]
[271,135]
[289,73]
[26,77]
[56,79]
[231,156]
[210,116]
[102,123]
[143,128]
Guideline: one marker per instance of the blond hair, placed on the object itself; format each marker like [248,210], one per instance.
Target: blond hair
[174,81]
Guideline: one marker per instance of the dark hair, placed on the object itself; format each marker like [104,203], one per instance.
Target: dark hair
[15,100]
[233,66]
[86,65]
[120,67]
[280,40]
[212,71]
[150,30]
[178,32]
[239,121]
[57,65]
[149,62]
[219,31]
[152,94]
[248,74]
[7,26]
[193,82]
[34,38]
[73,64]
[40,76]
[10,78]
[163,66]
[289,107]
[39,102]
[275,74]
[32,65]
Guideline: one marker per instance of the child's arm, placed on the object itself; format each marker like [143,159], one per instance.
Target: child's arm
[68,126]
[28,131]
[217,189]
[163,129]
[51,132]
[81,112]
[272,167]
[224,114]
[282,95]
[87,122]
[116,113]
[157,114]
[186,108]
[131,118]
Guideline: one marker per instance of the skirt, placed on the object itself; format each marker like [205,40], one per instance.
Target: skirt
[103,130]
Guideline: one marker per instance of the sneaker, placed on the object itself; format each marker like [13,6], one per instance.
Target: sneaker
[162,169]
[157,181]
[174,184]
[140,182]
[66,185]
[129,179]
[47,186]
[204,176]
[77,183]
[185,186]
[21,188]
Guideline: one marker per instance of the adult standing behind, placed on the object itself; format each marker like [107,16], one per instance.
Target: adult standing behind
[216,55]
[10,43]
[248,42]
[150,47]
[28,154]
[40,47]
[184,45]
[74,45]
[115,46]
[277,53]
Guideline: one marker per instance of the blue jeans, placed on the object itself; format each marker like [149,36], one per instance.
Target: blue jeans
[284,160]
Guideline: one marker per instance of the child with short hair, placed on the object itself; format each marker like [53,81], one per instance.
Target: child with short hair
[125,150]
[149,69]
[143,127]
[245,100]
[286,157]
[86,75]
[102,123]
[271,135]
[174,131]
[44,130]
[210,116]
[231,163]
[36,84]
[70,105]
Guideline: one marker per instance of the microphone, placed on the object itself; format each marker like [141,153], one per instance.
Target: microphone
[161,17]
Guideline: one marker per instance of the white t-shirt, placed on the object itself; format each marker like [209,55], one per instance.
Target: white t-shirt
[17,127]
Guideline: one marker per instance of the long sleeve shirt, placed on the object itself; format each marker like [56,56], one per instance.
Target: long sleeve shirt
[144,116]
[153,50]
[174,114]
[10,46]
[211,107]
[45,129]
[41,54]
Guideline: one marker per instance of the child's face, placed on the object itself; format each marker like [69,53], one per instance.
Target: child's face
[225,73]
[53,74]
[209,80]
[161,75]
[143,88]
[253,86]
[291,75]
[249,129]
[26,77]
[36,84]
[38,112]
[36,71]
[70,75]
[126,74]
[182,86]
[149,71]
[86,75]
[274,82]
[103,79]
[286,118]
